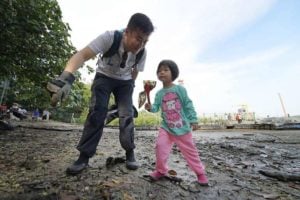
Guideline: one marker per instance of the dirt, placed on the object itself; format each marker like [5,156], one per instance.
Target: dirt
[34,156]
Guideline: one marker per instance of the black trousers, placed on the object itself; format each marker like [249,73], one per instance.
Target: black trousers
[102,88]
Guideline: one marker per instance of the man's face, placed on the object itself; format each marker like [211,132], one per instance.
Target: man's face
[134,40]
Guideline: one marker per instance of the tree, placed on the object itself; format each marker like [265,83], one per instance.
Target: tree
[35,45]
[34,40]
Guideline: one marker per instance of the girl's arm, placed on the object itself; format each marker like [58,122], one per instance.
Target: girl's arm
[189,109]
[155,106]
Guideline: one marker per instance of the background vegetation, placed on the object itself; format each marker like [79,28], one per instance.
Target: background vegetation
[35,45]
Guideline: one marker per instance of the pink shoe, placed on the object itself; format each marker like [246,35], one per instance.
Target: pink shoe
[156,175]
[202,180]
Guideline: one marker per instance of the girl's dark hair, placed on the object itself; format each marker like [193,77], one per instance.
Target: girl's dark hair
[142,22]
[173,68]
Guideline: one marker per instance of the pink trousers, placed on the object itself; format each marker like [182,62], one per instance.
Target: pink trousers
[164,144]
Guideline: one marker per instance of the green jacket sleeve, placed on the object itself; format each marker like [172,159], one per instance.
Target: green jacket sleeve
[188,107]
[156,105]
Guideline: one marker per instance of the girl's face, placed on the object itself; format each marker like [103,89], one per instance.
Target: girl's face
[164,75]
[134,40]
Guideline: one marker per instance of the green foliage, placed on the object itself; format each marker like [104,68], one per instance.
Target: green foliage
[84,106]
[76,107]
[82,117]
[144,119]
[35,46]
[34,40]
[29,94]
[211,120]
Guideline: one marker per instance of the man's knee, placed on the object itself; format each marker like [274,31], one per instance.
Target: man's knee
[97,116]
[126,122]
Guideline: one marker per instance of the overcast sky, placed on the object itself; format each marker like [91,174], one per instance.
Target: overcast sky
[230,52]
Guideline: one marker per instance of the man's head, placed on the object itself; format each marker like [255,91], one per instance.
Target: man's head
[137,32]
[142,22]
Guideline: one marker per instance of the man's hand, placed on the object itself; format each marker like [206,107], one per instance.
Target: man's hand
[60,88]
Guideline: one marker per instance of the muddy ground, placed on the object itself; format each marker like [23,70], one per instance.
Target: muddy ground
[240,164]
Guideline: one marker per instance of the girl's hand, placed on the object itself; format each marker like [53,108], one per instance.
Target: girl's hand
[194,126]
[148,106]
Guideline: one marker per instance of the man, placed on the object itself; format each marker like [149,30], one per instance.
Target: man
[115,75]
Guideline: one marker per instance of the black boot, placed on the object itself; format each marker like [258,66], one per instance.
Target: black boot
[130,161]
[78,165]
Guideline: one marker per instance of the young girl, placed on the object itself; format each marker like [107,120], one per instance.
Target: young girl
[178,120]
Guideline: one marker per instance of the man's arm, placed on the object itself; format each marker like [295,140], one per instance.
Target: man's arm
[78,59]
[61,86]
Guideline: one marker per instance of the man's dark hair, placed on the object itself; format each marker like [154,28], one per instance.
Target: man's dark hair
[172,66]
[142,22]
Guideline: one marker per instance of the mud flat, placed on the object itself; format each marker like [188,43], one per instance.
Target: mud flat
[241,164]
